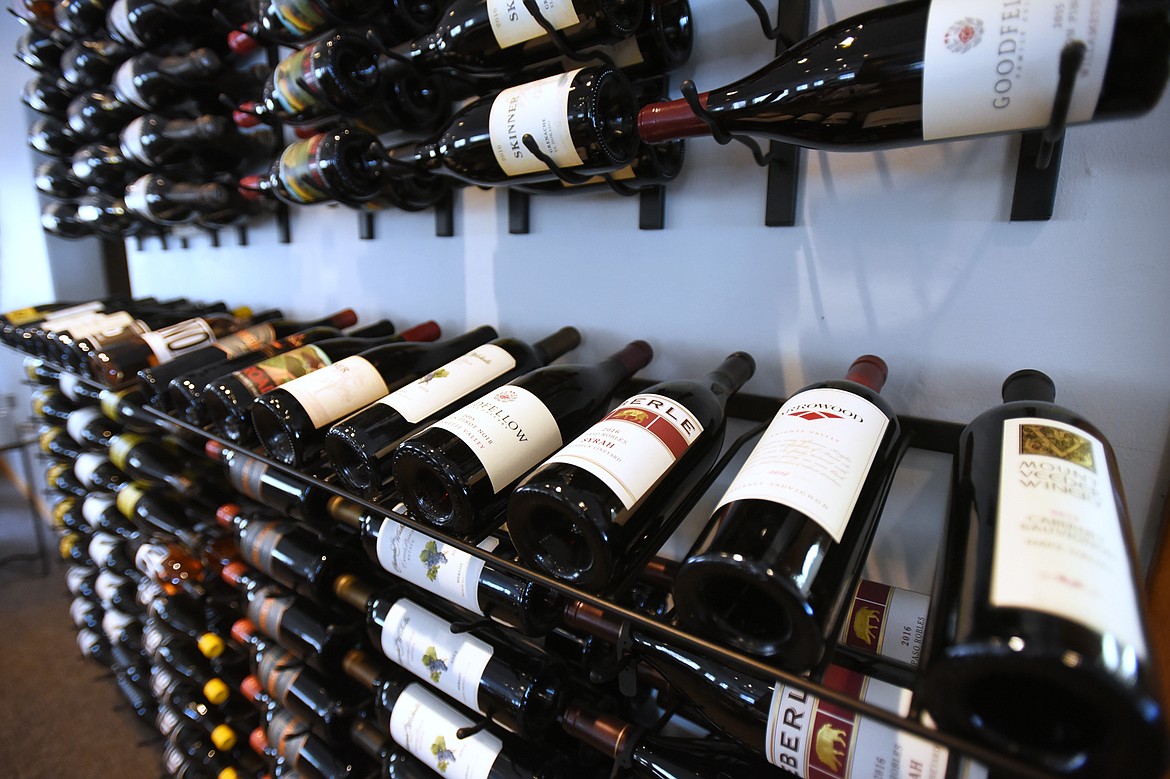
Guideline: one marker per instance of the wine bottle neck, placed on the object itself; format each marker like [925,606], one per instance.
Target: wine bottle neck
[562,341]
[868,370]
[732,374]
[670,121]
[603,732]
[1028,385]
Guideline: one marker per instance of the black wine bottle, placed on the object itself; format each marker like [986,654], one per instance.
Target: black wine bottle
[90,63]
[908,73]
[102,167]
[148,24]
[291,421]
[81,18]
[289,553]
[1038,604]
[107,216]
[776,564]
[201,146]
[39,50]
[651,756]
[429,728]
[51,406]
[60,219]
[54,178]
[338,75]
[456,576]
[298,750]
[152,82]
[298,21]
[582,120]
[159,510]
[148,460]
[343,165]
[244,343]
[791,727]
[52,137]
[482,35]
[98,115]
[360,447]
[95,471]
[655,165]
[458,473]
[46,93]
[604,503]
[520,689]
[165,200]
[228,399]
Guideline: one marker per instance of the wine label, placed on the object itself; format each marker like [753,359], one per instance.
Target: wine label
[540,109]
[167,343]
[152,638]
[258,543]
[509,430]
[512,24]
[101,546]
[162,682]
[286,734]
[22,316]
[423,725]
[137,200]
[105,585]
[131,137]
[77,576]
[432,565]
[87,464]
[247,340]
[173,759]
[295,81]
[114,622]
[50,321]
[69,383]
[281,369]
[277,671]
[443,386]
[991,68]
[79,609]
[299,171]
[166,720]
[423,644]
[101,323]
[634,447]
[887,621]
[110,335]
[814,457]
[247,474]
[345,386]
[1059,543]
[148,592]
[87,641]
[267,610]
[814,738]
[78,420]
[151,560]
[299,17]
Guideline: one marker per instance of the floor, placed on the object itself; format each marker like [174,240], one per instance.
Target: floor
[61,716]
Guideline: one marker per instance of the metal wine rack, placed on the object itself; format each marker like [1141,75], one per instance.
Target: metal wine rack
[917,433]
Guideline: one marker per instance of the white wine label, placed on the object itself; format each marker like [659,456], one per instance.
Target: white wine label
[246,340]
[78,420]
[161,681]
[95,505]
[167,720]
[993,68]
[69,383]
[173,759]
[87,640]
[150,559]
[634,447]
[102,546]
[887,621]
[87,464]
[136,198]
[50,322]
[76,577]
[423,644]
[509,430]
[105,585]
[345,386]
[512,24]
[167,343]
[79,609]
[415,557]
[114,622]
[152,638]
[281,369]
[1059,543]
[443,386]
[149,592]
[814,738]
[425,726]
[100,324]
[814,457]
[131,138]
[101,339]
[540,109]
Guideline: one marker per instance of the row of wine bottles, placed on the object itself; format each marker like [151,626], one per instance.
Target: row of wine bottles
[138,543]
[1037,556]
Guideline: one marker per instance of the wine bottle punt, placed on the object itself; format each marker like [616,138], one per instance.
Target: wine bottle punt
[777,562]
[582,120]
[594,509]
[458,473]
[361,446]
[291,421]
[1038,639]
[921,71]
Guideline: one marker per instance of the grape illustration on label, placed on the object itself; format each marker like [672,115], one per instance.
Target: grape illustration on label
[445,756]
[432,558]
[433,663]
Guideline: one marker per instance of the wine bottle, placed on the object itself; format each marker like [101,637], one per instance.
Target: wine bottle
[178,654]
[184,699]
[483,142]
[310,632]
[361,446]
[486,35]
[98,115]
[604,503]
[90,63]
[299,750]
[54,178]
[95,471]
[397,762]
[86,614]
[126,407]
[156,510]
[273,487]
[117,365]
[52,137]
[456,576]
[650,756]
[152,82]
[893,77]
[283,550]
[329,709]
[299,21]
[792,728]
[458,473]
[343,165]
[228,399]
[91,428]
[81,18]
[106,215]
[60,219]
[147,460]
[100,510]
[291,421]
[165,200]
[60,477]
[52,406]
[148,24]
[201,146]
[1038,603]
[46,94]
[775,565]
[39,50]
[102,167]
[655,165]
[520,689]
[244,343]
[428,728]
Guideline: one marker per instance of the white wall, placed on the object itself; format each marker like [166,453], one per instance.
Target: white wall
[907,254]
